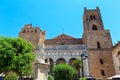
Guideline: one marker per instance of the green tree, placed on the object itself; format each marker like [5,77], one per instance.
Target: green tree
[16,55]
[64,72]
[77,65]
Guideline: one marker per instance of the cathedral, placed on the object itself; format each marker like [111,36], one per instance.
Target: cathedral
[94,48]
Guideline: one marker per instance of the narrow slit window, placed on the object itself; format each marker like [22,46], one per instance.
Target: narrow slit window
[102,72]
[98,45]
[101,61]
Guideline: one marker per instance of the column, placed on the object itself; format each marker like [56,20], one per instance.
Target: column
[81,72]
[86,67]
[54,63]
[67,61]
[81,69]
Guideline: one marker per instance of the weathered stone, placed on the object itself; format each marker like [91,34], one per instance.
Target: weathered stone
[97,42]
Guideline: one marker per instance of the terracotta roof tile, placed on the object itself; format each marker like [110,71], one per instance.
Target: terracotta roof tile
[63,39]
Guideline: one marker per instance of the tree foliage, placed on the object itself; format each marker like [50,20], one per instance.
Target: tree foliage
[83,78]
[50,77]
[77,65]
[64,72]
[11,76]
[16,55]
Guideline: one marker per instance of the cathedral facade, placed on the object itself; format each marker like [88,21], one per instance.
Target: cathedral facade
[94,48]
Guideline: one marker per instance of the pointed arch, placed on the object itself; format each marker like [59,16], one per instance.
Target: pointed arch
[23,31]
[71,61]
[60,60]
[94,27]
[91,17]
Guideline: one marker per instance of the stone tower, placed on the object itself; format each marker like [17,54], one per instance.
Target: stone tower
[36,37]
[33,35]
[99,44]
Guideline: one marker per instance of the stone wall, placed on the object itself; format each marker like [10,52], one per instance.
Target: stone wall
[96,66]
[99,53]
[116,57]
[99,45]
[32,34]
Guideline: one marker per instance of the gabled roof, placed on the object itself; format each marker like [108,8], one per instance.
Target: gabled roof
[63,39]
[63,36]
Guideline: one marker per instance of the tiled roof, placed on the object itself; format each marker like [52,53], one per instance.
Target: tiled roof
[63,39]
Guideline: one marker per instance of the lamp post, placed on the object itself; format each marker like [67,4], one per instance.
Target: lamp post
[84,56]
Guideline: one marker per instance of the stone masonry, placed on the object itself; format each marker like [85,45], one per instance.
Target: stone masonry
[99,44]
[96,43]
[116,57]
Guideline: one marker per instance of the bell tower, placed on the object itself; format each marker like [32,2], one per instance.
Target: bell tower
[99,44]
[92,20]
[95,36]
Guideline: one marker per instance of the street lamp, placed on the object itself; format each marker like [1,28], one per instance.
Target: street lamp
[84,56]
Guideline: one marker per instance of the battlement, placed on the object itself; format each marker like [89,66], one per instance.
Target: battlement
[33,34]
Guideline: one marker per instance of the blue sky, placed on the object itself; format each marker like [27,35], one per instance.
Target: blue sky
[56,16]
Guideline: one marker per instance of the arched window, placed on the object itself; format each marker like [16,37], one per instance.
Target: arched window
[98,45]
[60,60]
[23,31]
[102,72]
[91,17]
[94,27]
[32,31]
[94,17]
[71,61]
[46,60]
[36,31]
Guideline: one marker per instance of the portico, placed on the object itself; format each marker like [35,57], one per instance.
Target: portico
[66,54]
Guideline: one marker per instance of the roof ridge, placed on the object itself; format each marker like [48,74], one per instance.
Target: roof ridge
[63,36]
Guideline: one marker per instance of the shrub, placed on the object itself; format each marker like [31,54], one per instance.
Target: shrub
[50,77]
[11,76]
[64,72]
[83,78]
